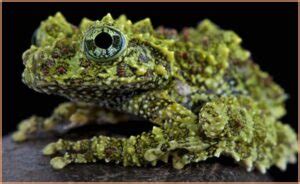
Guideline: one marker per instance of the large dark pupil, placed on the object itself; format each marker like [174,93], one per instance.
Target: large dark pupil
[103,40]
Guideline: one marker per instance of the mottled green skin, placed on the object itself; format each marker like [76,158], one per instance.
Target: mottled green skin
[199,87]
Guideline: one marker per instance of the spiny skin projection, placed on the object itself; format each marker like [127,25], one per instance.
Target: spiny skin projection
[199,87]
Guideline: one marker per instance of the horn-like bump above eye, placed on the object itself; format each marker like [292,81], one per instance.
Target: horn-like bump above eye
[103,43]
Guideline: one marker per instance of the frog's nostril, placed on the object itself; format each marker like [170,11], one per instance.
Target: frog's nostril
[26,56]
[24,62]
[34,38]
[103,40]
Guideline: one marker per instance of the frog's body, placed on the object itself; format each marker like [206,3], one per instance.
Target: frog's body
[199,87]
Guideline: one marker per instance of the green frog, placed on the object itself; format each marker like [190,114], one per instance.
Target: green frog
[199,87]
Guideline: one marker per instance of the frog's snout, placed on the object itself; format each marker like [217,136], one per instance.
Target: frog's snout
[30,72]
[27,77]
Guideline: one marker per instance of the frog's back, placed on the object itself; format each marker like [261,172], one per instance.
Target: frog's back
[213,63]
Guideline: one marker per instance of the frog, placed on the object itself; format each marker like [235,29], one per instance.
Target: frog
[199,87]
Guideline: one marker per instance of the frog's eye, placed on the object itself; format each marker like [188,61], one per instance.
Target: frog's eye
[103,43]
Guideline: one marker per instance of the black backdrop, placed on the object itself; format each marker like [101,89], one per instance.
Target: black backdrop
[269,31]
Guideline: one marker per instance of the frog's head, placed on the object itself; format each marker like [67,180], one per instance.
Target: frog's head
[97,60]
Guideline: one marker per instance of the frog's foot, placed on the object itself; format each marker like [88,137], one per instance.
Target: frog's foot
[72,152]
[82,151]
[65,145]
[69,113]
[64,117]
[62,161]
[27,128]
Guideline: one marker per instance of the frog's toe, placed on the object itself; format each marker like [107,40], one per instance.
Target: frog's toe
[62,161]
[67,146]
[19,136]
[27,129]
[59,162]
[50,149]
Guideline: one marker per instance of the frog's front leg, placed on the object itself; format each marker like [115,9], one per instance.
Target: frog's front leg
[160,109]
[143,149]
[176,131]
[65,116]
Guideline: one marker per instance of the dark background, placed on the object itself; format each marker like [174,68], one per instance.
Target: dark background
[269,31]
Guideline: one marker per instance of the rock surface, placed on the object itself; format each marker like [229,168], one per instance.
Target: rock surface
[25,162]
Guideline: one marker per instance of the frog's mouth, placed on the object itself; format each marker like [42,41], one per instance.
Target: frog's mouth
[34,82]
[110,89]
[89,92]
[92,89]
